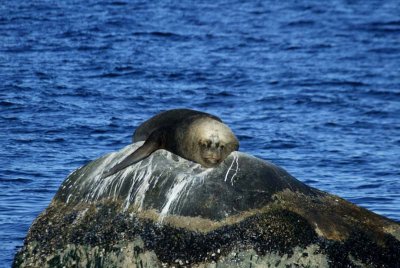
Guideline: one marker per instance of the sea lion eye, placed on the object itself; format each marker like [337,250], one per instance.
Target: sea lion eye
[203,143]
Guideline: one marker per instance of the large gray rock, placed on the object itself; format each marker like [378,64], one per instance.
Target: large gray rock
[166,211]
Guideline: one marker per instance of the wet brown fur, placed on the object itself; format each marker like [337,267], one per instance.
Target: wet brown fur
[193,135]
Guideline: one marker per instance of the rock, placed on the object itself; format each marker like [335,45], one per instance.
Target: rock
[166,211]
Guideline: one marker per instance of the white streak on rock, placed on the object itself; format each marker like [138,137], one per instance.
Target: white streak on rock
[181,188]
[174,194]
[134,182]
[144,179]
[234,160]
[69,196]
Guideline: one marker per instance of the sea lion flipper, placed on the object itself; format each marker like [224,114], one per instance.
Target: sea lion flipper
[141,153]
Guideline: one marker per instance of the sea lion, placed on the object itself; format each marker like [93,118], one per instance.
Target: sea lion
[197,136]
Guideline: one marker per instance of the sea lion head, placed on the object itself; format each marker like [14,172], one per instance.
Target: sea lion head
[213,151]
[212,142]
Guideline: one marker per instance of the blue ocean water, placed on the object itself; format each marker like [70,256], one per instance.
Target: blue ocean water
[313,86]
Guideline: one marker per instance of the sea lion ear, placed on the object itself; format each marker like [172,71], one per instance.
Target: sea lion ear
[152,144]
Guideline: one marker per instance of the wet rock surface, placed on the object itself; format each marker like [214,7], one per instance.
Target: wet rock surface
[166,211]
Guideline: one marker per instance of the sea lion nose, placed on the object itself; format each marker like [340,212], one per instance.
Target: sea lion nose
[215,158]
[213,161]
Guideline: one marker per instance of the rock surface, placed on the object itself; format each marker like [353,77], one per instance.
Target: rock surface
[168,212]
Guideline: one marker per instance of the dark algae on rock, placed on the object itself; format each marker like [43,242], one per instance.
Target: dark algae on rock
[168,212]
